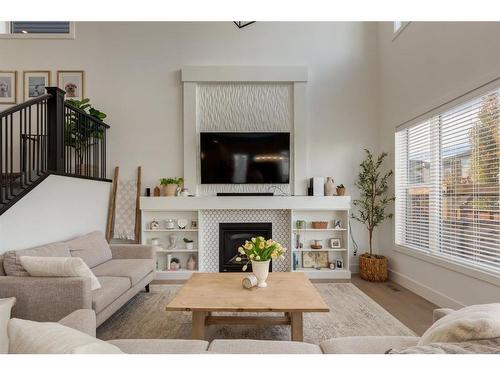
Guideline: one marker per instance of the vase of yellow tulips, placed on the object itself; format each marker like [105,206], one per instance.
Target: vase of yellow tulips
[259,252]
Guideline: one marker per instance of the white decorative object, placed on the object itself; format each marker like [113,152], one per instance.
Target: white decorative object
[337,224]
[155,241]
[59,267]
[169,259]
[182,223]
[261,271]
[329,187]
[318,186]
[169,224]
[172,239]
[249,281]
[189,245]
[154,225]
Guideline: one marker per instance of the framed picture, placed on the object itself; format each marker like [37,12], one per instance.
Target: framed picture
[313,259]
[73,82]
[335,243]
[8,87]
[34,83]
[339,264]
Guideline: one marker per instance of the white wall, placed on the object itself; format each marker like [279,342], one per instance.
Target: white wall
[58,209]
[427,65]
[133,74]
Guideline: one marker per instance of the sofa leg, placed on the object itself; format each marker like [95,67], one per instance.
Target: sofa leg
[147,288]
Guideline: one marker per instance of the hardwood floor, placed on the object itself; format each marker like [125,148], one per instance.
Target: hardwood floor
[409,308]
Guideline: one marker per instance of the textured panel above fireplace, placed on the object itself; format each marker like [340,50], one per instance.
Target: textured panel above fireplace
[234,235]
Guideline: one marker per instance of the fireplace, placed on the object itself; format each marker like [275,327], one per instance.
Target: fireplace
[233,235]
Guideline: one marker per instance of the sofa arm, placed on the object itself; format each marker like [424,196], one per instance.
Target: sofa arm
[46,299]
[439,313]
[82,320]
[121,251]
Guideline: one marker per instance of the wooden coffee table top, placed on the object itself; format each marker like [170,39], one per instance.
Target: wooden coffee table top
[286,292]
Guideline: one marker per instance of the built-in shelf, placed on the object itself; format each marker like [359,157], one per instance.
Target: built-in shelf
[318,270]
[326,249]
[182,270]
[177,250]
[170,230]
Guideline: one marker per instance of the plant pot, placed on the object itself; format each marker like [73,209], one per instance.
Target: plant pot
[170,190]
[373,267]
[261,271]
[341,191]
[189,245]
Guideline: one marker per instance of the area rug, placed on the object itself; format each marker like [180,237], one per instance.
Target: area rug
[352,313]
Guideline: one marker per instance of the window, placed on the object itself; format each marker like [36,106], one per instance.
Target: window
[448,184]
[36,29]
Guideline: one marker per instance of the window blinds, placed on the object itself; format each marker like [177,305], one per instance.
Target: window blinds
[448,184]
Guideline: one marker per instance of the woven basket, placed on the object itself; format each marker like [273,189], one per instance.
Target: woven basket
[373,268]
[319,224]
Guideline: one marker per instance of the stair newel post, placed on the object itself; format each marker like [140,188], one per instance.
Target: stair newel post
[55,130]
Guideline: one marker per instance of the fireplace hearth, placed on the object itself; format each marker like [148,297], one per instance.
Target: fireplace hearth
[233,235]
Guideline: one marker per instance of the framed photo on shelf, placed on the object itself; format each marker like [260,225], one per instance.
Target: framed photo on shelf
[314,259]
[73,82]
[339,263]
[34,83]
[335,243]
[8,87]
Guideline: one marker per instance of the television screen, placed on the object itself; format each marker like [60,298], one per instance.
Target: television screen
[245,158]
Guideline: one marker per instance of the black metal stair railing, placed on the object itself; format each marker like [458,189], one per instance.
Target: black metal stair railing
[45,135]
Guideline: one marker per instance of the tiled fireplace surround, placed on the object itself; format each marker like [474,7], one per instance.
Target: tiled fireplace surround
[209,233]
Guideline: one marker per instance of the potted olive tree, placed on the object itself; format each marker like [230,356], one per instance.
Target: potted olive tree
[372,205]
[171,185]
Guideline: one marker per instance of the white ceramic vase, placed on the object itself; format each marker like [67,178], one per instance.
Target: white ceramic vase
[261,271]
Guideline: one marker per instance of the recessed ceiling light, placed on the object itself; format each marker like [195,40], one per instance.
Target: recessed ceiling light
[24,31]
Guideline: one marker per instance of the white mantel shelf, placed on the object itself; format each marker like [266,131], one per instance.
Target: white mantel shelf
[245,203]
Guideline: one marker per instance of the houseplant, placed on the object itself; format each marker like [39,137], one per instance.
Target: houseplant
[189,243]
[260,251]
[372,204]
[82,135]
[171,185]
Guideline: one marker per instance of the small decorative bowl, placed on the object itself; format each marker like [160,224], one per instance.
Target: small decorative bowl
[319,224]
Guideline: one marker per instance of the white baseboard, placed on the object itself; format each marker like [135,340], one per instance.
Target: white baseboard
[424,291]
[354,268]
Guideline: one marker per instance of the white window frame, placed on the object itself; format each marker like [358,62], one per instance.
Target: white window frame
[398,30]
[70,35]
[445,262]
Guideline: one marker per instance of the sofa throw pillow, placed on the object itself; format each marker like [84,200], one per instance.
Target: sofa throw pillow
[12,264]
[59,267]
[28,337]
[92,248]
[476,322]
[5,308]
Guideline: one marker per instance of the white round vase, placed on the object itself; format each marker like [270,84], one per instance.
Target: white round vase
[261,271]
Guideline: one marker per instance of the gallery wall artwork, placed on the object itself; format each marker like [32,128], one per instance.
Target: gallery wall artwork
[34,83]
[8,87]
[73,82]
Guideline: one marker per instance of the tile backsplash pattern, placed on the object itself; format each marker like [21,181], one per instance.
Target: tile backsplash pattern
[209,233]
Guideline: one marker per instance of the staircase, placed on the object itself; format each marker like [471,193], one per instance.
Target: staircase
[44,136]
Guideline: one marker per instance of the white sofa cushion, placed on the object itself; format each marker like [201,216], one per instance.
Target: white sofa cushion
[5,308]
[476,322]
[28,337]
[262,347]
[366,344]
[59,267]
[160,346]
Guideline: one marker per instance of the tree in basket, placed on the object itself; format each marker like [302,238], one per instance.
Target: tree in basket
[171,185]
[372,206]
[260,251]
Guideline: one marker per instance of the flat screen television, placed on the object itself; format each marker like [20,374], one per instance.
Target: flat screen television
[245,158]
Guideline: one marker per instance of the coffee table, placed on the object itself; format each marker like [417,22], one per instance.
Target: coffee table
[288,292]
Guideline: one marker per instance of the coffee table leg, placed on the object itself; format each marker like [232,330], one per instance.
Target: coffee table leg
[198,330]
[297,326]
